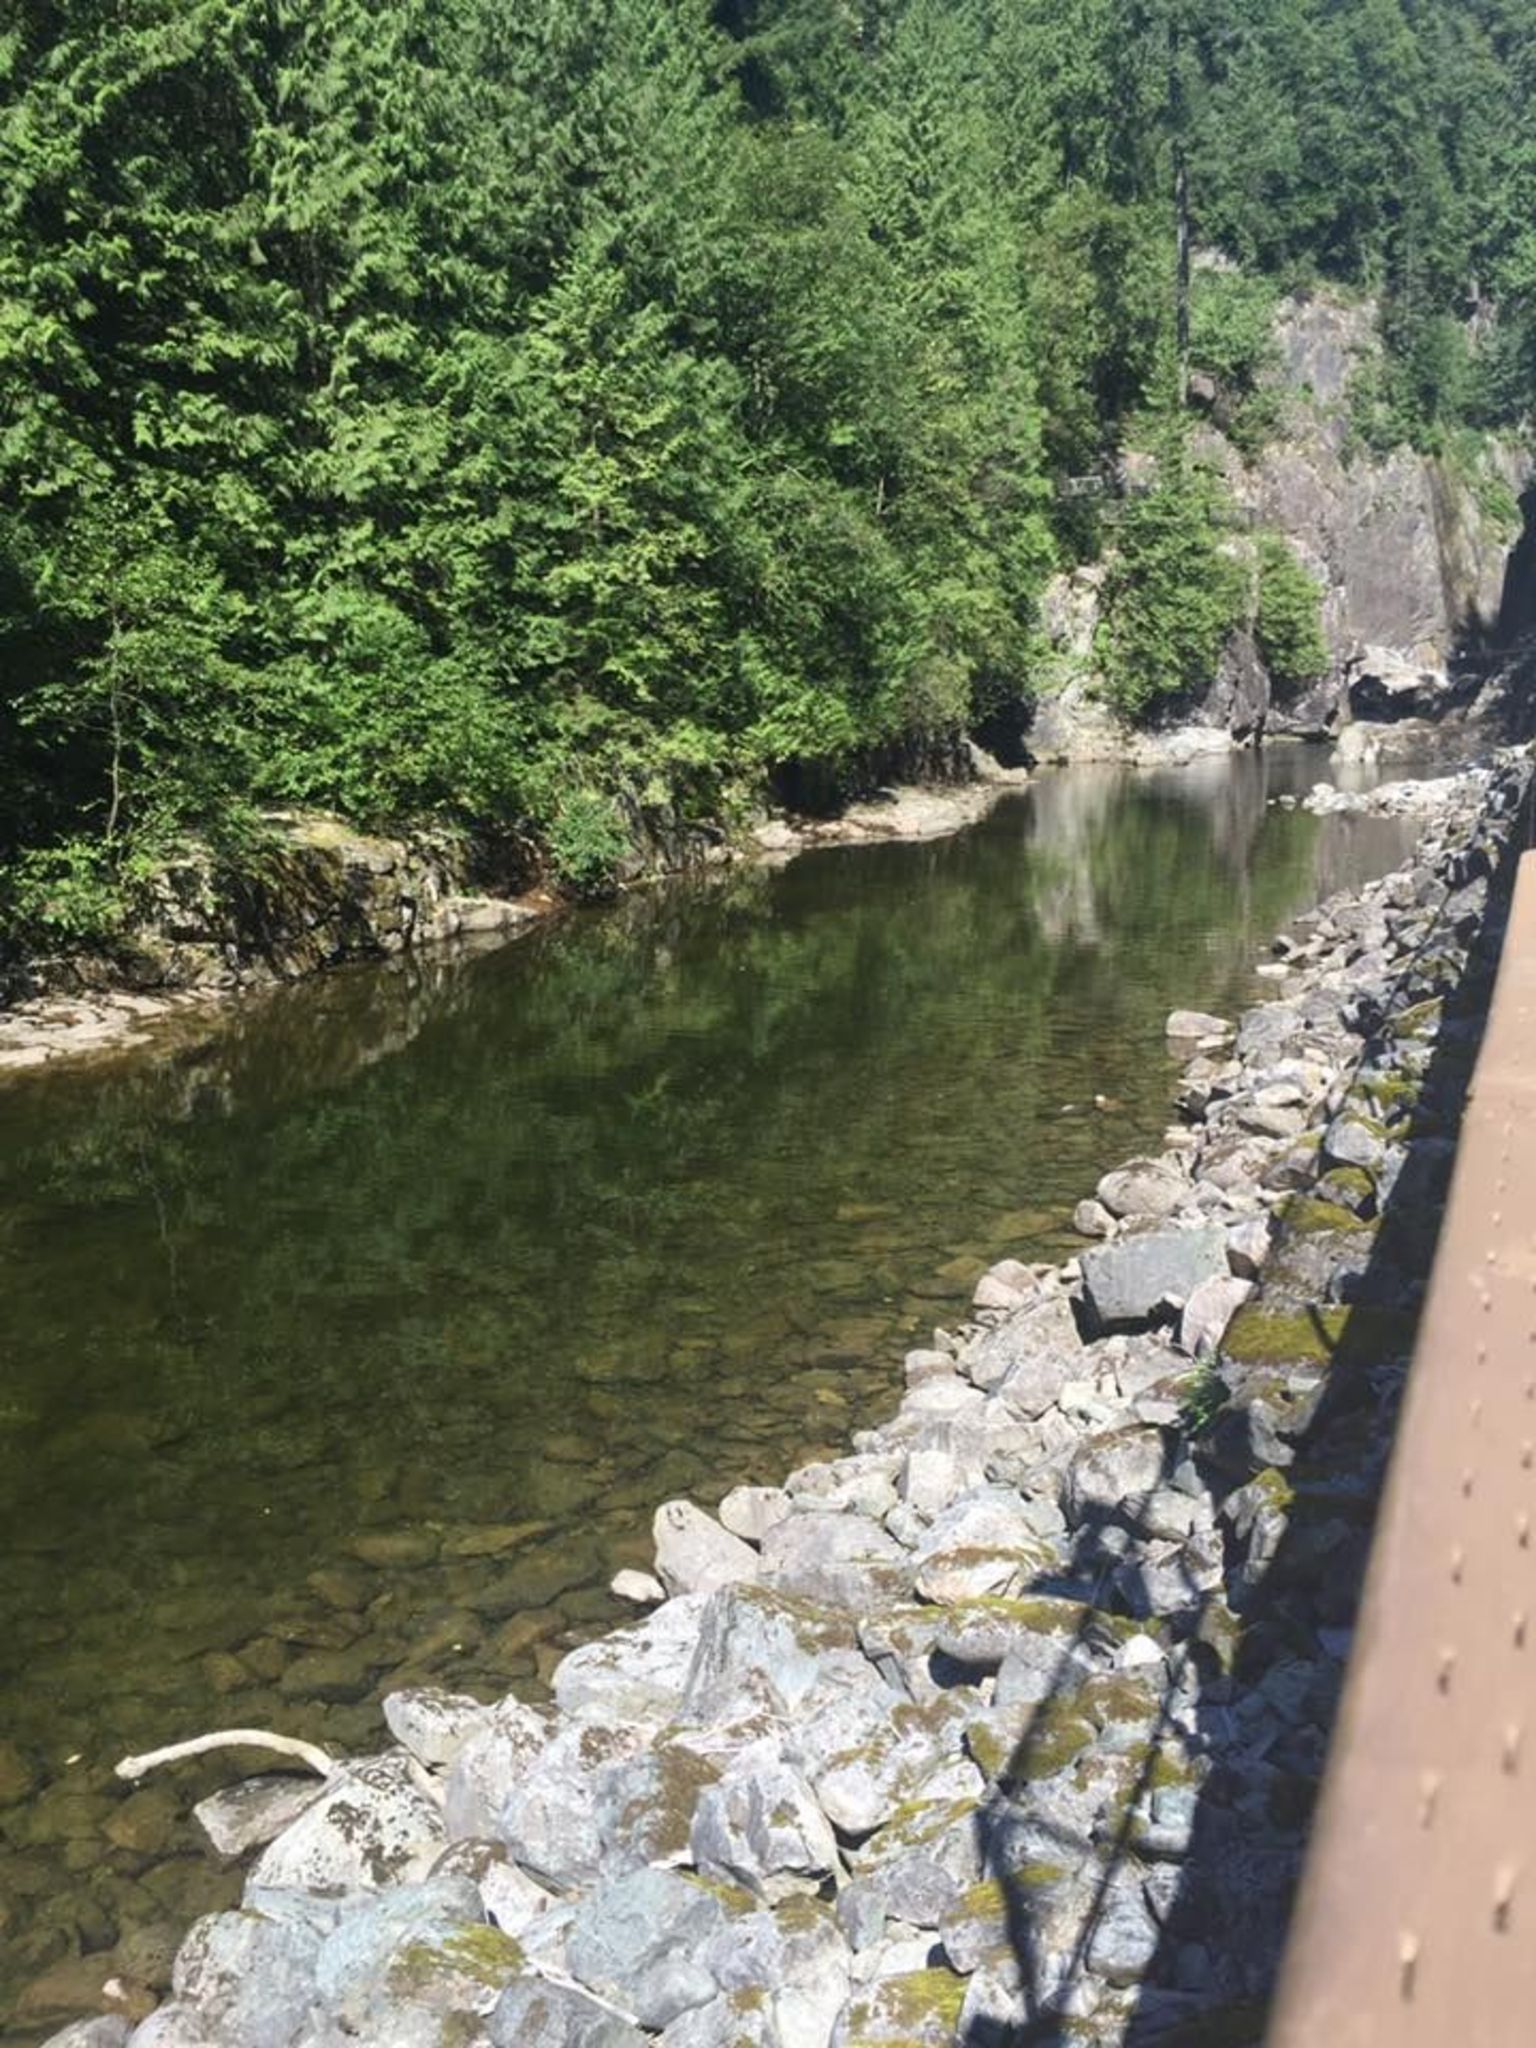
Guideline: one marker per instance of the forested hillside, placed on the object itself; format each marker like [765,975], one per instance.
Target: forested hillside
[481,410]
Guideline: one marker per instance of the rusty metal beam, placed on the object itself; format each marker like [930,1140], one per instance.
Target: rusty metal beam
[1416,1924]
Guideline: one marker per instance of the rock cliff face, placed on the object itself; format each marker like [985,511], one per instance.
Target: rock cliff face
[1419,562]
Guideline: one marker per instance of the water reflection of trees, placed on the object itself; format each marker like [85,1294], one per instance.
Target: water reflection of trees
[417,1220]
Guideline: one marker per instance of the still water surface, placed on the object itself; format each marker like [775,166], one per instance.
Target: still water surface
[355,1344]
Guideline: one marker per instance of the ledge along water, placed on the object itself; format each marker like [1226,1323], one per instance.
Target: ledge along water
[353,1346]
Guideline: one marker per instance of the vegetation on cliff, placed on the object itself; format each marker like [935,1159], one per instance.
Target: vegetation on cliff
[430,407]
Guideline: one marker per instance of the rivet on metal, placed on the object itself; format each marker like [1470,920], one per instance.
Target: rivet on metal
[1527,1455]
[1429,1798]
[1407,1962]
[1447,1666]
[1466,1485]
[1519,1629]
[1475,1410]
[1523,1530]
[1458,1564]
[1503,1896]
[1510,1759]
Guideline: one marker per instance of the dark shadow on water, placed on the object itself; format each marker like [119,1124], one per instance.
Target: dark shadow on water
[1080,1893]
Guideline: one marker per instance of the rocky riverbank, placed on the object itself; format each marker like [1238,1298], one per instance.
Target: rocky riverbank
[333,895]
[1012,1713]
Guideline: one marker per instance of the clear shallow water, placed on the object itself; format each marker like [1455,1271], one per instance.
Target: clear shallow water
[355,1345]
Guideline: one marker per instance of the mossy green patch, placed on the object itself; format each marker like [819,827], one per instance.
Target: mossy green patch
[483,1954]
[921,2007]
[1117,1696]
[1350,1187]
[1311,1214]
[1054,1739]
[1264,1336]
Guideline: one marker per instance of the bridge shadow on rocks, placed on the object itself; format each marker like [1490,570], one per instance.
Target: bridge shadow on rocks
[1146,1829]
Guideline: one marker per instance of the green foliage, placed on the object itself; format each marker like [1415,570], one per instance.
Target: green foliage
[1288,615]
[1173,591]
[587,841]
[431,407]
[1231,327]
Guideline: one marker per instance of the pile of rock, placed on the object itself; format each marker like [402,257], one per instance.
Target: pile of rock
[1013,1712]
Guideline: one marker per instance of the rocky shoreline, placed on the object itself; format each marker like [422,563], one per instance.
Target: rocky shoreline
[344,896]
[1012,1716]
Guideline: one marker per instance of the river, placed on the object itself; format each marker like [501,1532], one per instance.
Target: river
[353,1343]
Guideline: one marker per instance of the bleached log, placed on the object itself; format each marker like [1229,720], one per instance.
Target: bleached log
[307,1753]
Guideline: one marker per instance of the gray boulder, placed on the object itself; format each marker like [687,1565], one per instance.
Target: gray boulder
[379,1958]
[433,1725]
[549,1819]
[487,1765]
[533,2014]
[107,2030]
[694,1554]
[836,1560]
[764,1829]
[1125,1282]
[984,1543]
[640,1941]
[1030,1355]
[635,1673]
[251,1980]
[241,1817]
[1115,1473]
[1142,1187]
[757,1642]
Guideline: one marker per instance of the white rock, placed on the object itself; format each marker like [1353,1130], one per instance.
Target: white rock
[929,1480]
[694,1554]
[370,1823]
[636,1673]
[244,1816]
[751,1511]
[1207,1312]
[638,1587]
[433,1725]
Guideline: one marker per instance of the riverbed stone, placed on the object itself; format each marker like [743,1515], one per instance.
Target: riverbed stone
[487,1764]
[106,2030]
[639,1942]
[374,1818]
[840,1561]
[1127,1281]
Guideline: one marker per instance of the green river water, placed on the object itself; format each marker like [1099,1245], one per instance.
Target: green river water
[355,1342]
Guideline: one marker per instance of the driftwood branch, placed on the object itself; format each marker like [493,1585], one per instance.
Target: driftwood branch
[230,1738]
